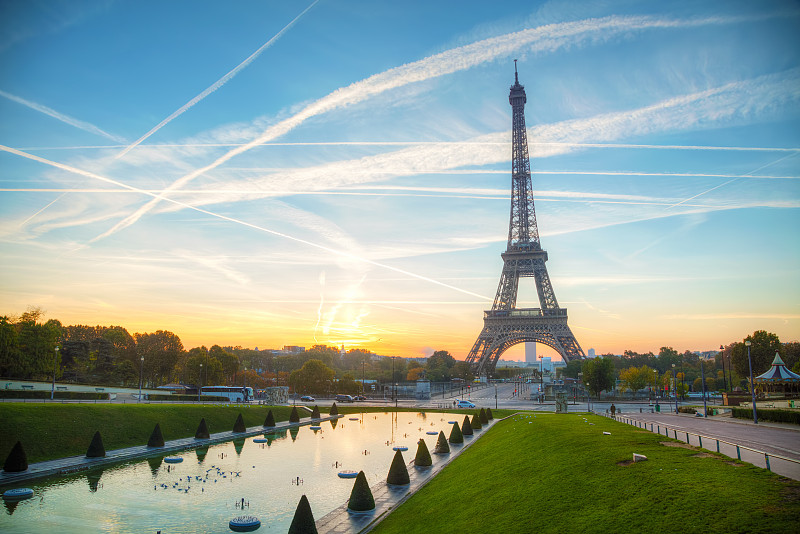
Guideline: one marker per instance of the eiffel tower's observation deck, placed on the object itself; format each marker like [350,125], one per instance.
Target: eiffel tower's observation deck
[505,325]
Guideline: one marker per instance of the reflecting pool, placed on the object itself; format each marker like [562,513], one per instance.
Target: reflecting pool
[216,483]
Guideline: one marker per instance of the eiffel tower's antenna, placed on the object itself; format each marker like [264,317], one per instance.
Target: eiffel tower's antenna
[506,325]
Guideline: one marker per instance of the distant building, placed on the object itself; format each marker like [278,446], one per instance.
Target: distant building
[530,352]
[591,354]
[293,349]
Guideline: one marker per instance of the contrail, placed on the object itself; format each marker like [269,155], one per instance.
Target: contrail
[337,252]
[730,181]
[548,38]
[216,85]
[85,126]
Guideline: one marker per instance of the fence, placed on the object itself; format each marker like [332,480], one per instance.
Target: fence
[776,463]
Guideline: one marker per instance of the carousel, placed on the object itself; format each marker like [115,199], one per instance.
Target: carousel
[779,379]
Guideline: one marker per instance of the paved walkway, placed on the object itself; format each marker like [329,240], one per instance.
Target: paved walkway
[74,464]
[387,498]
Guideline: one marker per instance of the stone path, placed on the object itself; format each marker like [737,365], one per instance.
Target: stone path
[387,497]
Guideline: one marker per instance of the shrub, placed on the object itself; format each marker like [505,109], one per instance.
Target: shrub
[361,499]
[484,419]
[442,446]
[270,420]
[398,472]
[778,416]
[294,417]
[466,426]
[238,426]
[303,521]
[686,409]
[96,449]
[476,422]
[202,430]
[489,415]
[156,439]
[334,410]
[42,394]
[456,436]
[16,460]
[423,458]
[315,413]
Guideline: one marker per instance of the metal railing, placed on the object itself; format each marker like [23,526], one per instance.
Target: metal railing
[788,467]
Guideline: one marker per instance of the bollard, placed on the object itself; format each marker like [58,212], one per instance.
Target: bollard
[738,453]
[766,459]
[700,438]
[717,445]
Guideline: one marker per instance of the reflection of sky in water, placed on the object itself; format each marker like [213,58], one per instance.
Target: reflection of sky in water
[200,494]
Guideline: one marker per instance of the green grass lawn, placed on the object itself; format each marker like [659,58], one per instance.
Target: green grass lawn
[50,431]
[556,473]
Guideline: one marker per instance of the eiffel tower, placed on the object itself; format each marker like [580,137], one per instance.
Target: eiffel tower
[506,325]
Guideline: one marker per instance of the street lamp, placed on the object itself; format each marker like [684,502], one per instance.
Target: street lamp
[55,364]
[588,397]
[675,382]
[141,368]
[752,384]
[722,354]
[703,375]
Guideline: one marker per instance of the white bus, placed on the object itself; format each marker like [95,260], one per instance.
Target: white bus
[232,393]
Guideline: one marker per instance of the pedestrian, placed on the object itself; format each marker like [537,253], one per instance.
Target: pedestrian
[613,410]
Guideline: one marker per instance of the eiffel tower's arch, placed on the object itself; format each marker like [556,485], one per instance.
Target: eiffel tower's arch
[505,325]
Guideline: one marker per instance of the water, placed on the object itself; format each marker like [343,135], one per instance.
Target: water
[205,491]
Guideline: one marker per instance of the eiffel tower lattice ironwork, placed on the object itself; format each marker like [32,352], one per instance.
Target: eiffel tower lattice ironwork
[506,325]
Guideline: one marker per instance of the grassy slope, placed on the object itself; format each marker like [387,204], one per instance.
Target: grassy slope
[559,474]
[50,431]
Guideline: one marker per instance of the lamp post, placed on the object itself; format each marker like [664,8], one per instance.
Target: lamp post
[55,364]
[495,396]
[703,375]
[722,354]
[141,368]
[675,382]
[588,397]
[752,384]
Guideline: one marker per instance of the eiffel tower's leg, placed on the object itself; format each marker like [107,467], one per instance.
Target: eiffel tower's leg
[547,297]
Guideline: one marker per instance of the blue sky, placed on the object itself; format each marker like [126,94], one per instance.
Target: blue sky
[273,173]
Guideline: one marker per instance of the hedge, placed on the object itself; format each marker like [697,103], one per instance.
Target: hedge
[41,394]
[778,416]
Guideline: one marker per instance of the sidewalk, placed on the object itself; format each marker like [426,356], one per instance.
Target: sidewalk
[74,464]
[387,497]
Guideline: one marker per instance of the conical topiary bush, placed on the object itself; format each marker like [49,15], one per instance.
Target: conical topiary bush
[294,417]
[466,426]
[270,420]
[303,521]
[489,415]
[96,449]
[238,426]
[156,439]
[17,460]
[423,457]
[202,430]
[476,422]
[483,418]
[315,413]
[398,472]
[442,447]
[334,410]
[456,436]
[361,499]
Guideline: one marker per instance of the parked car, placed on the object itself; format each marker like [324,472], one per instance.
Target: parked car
[465,404]
[360,398]
[307,398]
[344,398]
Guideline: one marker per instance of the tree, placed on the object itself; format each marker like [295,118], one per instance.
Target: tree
[348,385]
[572,369]
[791,353]
[462,370]
[160,351]
[636,378]
[599,374]
[313,377]
[763,347]
[414,373]
[230,363]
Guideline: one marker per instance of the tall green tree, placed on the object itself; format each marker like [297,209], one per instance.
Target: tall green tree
[313,377]
[763,347]
[599,374]
[160,350]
